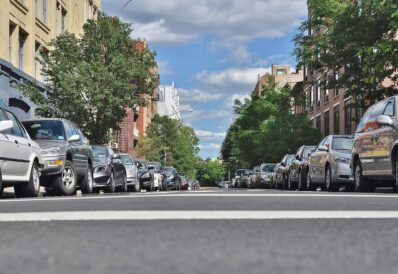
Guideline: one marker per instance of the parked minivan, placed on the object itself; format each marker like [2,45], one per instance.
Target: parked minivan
[375,150]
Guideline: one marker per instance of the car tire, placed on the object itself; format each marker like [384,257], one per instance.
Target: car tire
[111,186]
[32,187]
[330,186]
[361,183]
[396,177]
[86,185]
[65,183]
[301,181]
[123,187]
[309,185]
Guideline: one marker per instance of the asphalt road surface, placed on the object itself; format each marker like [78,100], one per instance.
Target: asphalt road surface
[217,231]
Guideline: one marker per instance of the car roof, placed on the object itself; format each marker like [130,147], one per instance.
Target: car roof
[46,119]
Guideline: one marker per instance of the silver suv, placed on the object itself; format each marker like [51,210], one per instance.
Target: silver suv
[66,154]
[375,150]
[20,158]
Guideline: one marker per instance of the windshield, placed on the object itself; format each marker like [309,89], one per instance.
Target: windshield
[289,159]
[307,151]
[240,172]
[46,130]
[99,152]
[126,159]
[169,172]
[268,168]
[141,165]
[342,143]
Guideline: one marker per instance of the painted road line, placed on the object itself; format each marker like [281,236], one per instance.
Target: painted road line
[193,215]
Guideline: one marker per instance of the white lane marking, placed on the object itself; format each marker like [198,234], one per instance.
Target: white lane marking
[204,194]
[193,215]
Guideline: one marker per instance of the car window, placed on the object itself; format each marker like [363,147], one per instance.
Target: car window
[126,159]
[390,109]
[3,117]
[377,111]
[306,151]
[328,141]
[99,152]
[17,129]
[289,159]
[321,143]
[240,172]
[342,143]
[268,168]
[45,130]
[364,120]
[69,130]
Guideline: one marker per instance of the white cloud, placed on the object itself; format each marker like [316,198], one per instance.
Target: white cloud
[198,96]
[206,115]
[207,135]
[183,21]
[238,55]
[164,68]
[211,147]
[230,102]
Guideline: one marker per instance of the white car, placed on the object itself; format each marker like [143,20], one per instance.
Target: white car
[20,157]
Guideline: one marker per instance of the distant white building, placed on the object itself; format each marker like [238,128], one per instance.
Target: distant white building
[169,102]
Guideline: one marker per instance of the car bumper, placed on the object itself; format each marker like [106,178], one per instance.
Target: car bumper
[342,173]
[101,179]
[52,165]
[132,181]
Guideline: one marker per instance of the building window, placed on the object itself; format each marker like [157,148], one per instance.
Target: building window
[36,61]
[336,119]
[336,89]
[326,91]
[318,94]
[348,116]
[36,8]
[63,20]
[312,98]
[90,10]
[21,49]
[306,100]
[10,38]
[45,15]
[318,122]
[327,123]
[281,71]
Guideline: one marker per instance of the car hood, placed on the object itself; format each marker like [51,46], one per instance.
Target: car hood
[51,143]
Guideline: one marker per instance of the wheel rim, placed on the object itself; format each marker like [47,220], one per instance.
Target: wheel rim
[90,179]
[36,179]
[68,177]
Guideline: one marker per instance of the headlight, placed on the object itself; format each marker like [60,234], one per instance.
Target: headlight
[343,160]
[50,151]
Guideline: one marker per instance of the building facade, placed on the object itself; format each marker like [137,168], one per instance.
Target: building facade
[281,75]
[26,27]
[169,102]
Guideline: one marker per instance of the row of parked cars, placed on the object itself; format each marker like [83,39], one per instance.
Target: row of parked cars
[361,162]
[55,154]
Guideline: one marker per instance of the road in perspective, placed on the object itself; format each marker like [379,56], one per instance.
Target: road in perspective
[214,231]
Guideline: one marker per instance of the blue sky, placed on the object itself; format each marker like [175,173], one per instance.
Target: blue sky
[213,50]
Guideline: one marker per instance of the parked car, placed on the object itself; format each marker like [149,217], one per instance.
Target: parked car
[375,149]
[298,170]
[157,170]
[329,165]
[281,171]
[236,179]
[244,180]
[172,179]
[264,178]
[184,183]
[133,183]
[66,154]
[194,184]
[20,157]
[109,171]
[254,177]
[144,175]
[224,184]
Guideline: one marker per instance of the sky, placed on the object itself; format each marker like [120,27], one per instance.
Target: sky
[213,50]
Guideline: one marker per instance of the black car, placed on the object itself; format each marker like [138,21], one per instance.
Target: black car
[172,180]
[144,175]
[109,171]
[67,156]
[298,170]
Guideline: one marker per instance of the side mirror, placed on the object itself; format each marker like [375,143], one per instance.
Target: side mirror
[74,138]
[283,164]
[5,125]
[384,120]
[323,149]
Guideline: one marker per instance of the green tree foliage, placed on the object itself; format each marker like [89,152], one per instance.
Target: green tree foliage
[92,79]
[355,38]
[209,172]
[174,144]
[264,130]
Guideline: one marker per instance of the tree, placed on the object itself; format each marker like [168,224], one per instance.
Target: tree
[174,144]
[265,129]
[357,40]
[209,172]
[92,79]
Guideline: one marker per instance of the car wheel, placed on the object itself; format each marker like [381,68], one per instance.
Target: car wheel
[330,186]
[310,185]
[32,188]
[396,177]
[361,183]
[66,182]
[111,186]
[86,184]
[301,181]
[123,188]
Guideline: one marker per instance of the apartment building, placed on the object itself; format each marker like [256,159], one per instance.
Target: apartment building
[26,27]
[281,75]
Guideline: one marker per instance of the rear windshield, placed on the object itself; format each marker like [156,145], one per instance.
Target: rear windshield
[99,152]
[46,130]
[126,160]
[240,172]
[268,168]
[342,143]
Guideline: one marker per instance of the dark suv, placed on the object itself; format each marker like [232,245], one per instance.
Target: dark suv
[375,150]
[66,155]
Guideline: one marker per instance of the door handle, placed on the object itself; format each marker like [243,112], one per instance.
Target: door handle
[16,141]
[29,144]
